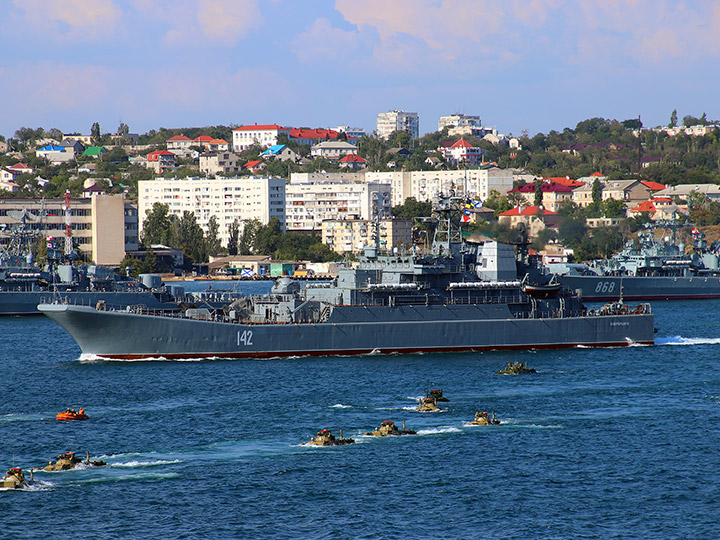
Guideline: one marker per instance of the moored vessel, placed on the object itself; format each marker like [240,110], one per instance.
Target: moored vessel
[458,297]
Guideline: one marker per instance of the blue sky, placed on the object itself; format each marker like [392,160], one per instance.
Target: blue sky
[532,65]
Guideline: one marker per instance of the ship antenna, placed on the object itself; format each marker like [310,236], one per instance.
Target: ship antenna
[621,290]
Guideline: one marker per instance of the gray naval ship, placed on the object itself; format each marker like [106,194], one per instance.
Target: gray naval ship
[457,297]
[24,284]
[651,268]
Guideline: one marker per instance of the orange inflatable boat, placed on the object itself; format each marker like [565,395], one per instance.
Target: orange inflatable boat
[66,416]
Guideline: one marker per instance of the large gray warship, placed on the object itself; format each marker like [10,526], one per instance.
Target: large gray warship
[458,297]
[651,268]
[25,284]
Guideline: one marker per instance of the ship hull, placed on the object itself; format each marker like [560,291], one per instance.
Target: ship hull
[352,330]
[26,302]
[607,288]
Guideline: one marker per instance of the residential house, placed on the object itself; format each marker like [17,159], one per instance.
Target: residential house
[94,151]
[553,194]
[630,191]
[462,152]
[11,173]
[7,185]
[84,139]
[88,168]
[535,218]
[55,154]
[92,191]
[496,138]
[311,137]
[4,147]
[681,191]
[160,160]
[73,145]
[333,150]
[281,152]
[352,161]
[459,121]
[254,166]
[219,163]
[179,142]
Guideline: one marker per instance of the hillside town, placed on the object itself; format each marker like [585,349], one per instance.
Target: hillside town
[256,199]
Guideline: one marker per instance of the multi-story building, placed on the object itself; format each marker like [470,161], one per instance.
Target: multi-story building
[553,194]
[228,199]
[219,163]
[160,160]
[310,202]
[333,149]
[459,121]
[354,132]
[263,135]
[392,121]
[353,235]
[103,227]
[462,152]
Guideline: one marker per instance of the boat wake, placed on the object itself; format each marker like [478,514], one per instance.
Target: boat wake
[126,477]
[341,406]
[679,340]
[438,430]
[137,463]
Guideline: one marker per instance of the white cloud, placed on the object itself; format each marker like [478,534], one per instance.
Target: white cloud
[203,22]
[78,19]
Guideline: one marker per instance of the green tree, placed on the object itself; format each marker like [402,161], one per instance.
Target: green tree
[158,226]
[268,237]
[412,209]
[613,208]
[246,245]
[538,193]
[95,132]
[234,237]
[673,119]
[189,237]
[212,238]
[596,192]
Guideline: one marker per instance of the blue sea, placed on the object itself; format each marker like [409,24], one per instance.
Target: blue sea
[600,443]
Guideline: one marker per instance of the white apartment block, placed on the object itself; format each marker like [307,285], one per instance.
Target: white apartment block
[392,121]
[263,135]
[228,199]
[310,202]
[459,121]
[353,235]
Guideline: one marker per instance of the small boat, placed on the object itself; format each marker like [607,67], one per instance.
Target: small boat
[546,290]
[326,438]
[69,460]
[72,415]
[428,404]
[15,479]
[388,428]
[516,368]
[484,419]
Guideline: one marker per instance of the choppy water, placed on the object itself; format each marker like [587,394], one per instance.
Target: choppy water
[619,443]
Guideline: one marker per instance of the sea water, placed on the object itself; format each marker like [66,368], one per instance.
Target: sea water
[600,443]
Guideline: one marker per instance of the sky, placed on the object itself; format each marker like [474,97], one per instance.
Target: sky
[521,65]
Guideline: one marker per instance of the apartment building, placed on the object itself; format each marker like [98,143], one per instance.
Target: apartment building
[353,235]
[459,121]
[212,162]
[391,121]
[103,227]
[228,199]
[264,135]
[310,202]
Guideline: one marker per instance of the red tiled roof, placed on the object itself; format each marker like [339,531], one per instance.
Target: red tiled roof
[527,211]
[218,141]
[266,127]
[645,206]
[597,174]
[565,181]
[203,138]
[153,156]
[462,143]
[252,164]
[180,137]
[661,199]
[20,166]
[353,158]
[551,187]
[304,133]
[653,186]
